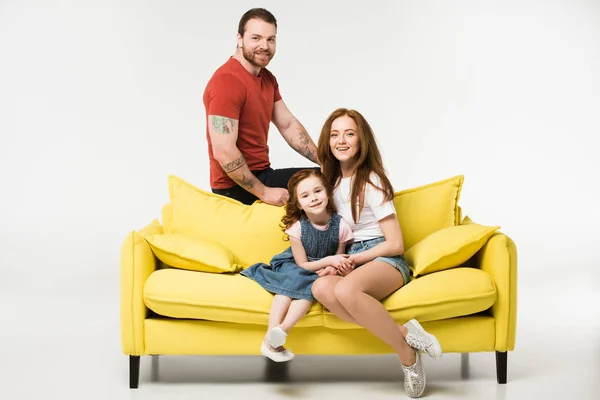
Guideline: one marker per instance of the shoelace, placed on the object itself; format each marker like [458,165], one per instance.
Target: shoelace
[420,341]
[410,374]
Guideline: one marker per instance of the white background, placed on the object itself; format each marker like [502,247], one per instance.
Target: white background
[101,100]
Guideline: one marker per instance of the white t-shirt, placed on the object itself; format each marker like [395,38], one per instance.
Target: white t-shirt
[345,235]
[374,209]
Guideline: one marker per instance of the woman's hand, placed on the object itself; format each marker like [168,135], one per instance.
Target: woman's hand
[337,260]
[346,266]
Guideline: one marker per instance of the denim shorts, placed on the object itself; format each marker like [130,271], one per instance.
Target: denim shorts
[397,262]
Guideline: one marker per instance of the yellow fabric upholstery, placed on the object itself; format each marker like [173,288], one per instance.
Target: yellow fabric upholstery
[439,296]
[195,295]
[498,258]
[182,251]
[447,248]
[214,297]
[252,233]
[166,215]
[429,208]
[464,335]
[137,263]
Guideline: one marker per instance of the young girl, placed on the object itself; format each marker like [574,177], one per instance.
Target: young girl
[318,238]
[363,195]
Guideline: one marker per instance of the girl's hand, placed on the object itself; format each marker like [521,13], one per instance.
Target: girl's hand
[337,260]
[327,271]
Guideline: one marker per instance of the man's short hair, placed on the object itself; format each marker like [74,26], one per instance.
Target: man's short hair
[259,13]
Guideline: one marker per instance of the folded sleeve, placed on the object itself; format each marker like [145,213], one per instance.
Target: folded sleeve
[295,230]
[345,232]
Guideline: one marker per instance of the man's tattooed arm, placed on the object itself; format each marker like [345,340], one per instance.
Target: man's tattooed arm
[238,171]
[299,140]
[305,146]
[222,125]
[233,165]
[223,135]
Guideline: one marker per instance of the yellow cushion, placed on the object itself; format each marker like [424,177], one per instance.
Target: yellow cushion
[439,296]
[252,233]
[448,248]
[466,220]
[177,293]
[182,251]
[429,208]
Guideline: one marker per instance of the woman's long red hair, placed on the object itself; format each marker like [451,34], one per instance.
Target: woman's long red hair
[368,160]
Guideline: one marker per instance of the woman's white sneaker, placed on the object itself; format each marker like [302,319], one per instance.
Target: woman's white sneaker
[414,378]
[419,339]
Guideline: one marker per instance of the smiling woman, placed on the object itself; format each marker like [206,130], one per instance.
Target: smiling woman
[363,196]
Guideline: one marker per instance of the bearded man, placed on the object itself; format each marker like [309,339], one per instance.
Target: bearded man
[241,99]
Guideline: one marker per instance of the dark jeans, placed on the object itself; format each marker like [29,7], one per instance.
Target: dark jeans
[269,177]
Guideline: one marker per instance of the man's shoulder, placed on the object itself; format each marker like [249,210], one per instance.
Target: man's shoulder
[225,78]
[225,74]
[268,75]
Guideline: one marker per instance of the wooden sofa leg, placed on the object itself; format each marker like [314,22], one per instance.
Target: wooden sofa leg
[134,371]
[501,366]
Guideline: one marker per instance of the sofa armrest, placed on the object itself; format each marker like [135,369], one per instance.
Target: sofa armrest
[137,263]
[499,259]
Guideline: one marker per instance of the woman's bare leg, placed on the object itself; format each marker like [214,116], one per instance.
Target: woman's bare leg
[360,292]
[324,291]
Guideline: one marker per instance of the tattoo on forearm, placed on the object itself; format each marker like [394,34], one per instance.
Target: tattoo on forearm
[247,182]
[304,146]
[235,164]
[222,125]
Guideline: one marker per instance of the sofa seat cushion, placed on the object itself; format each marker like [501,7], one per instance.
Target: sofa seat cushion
[439,295]
[185,294]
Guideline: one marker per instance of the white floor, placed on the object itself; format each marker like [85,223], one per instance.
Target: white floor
[65,342]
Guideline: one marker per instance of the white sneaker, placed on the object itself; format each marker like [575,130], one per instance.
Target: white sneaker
[276,356]
[276,337]
[419,339]
[414,378]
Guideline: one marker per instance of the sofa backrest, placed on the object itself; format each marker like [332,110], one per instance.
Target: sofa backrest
[253,233]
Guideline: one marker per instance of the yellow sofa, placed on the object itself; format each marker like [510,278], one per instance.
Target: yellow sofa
[182,294]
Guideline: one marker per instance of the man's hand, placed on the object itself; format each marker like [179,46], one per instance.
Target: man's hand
[275,196]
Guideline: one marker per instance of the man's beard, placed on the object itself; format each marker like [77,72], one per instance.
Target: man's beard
[249,56]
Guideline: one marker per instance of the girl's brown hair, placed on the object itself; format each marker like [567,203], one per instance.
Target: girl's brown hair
[368,160]
[293,212]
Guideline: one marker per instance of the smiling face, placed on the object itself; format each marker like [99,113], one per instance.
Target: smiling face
[258,42]
[312,196]
[343,140]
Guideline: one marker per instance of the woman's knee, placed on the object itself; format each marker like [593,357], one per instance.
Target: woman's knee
[323,289]
[346,293]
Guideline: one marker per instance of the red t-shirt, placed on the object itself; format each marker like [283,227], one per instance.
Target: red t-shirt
[235,93]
